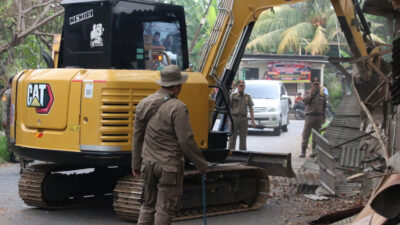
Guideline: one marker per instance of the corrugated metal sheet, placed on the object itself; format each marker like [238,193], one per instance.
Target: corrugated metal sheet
[306,181]
[348,189]
[348,107]
[332,161]
[349,122]
[327,176]
[351,157]
[338,135]
[310,164]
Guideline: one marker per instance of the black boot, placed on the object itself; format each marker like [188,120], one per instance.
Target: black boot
[303,152]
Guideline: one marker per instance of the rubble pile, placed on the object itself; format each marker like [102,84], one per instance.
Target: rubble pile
[348,165]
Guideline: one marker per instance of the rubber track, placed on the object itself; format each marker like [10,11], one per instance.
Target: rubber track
[128,193]
[30,190]
[32,193]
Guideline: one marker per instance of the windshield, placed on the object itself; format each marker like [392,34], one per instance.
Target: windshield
[148,37]
[129,35]
[262,91]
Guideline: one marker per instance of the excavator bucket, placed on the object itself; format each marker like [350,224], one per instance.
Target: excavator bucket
[275,164]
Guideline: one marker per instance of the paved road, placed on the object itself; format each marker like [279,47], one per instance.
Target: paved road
[14,211]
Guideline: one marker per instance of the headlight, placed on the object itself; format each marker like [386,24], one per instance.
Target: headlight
[272,109]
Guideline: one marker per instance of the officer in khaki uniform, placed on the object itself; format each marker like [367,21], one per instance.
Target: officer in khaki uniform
[6,101]
[240,101]
[161,139]
[315,101]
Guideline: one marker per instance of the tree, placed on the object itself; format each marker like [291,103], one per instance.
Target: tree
[291,29]
[25,27]
[310,27]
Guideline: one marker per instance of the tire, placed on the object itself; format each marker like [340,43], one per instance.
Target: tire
[277,130]
[285,127]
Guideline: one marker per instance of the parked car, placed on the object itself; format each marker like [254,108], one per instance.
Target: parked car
[271,104]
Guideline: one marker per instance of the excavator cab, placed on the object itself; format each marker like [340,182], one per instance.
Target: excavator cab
[108,34]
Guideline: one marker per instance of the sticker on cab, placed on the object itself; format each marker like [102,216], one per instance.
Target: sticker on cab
[88,90]
[40,96]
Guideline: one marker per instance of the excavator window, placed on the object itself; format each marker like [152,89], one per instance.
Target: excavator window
[124,35]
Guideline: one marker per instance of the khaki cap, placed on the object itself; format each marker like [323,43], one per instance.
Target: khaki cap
[171,75]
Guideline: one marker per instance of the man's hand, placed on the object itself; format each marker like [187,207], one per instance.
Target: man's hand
[314,89]
[253,123]
[136,173]
[5,125]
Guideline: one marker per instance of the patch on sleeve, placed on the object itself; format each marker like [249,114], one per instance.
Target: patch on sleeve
[4,98]
[186,110]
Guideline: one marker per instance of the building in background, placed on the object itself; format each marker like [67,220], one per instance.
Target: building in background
[295,71]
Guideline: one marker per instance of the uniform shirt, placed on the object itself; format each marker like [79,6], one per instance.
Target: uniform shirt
[315,103]
[6,100]
[239,103]
[168,135]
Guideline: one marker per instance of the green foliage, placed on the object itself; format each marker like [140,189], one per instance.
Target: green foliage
[309,26]
[26,54]
[289,29]
[278,30]
[335,97]
[333,82]
[3,150]
[194,12]
[344,53]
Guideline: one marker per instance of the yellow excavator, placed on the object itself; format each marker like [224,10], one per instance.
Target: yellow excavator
[78,114]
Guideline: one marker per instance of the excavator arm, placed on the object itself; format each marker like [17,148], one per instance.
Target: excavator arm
[224,49]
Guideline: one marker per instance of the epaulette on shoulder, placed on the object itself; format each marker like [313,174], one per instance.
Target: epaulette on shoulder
[168,97]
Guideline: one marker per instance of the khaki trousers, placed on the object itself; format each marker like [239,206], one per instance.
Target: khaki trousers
[311,122]
[163,189]
[240,123]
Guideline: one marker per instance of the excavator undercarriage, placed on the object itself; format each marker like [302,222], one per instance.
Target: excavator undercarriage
[230,188]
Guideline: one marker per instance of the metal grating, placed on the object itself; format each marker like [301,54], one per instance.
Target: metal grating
[117,113]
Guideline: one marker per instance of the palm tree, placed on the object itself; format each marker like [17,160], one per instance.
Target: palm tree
[288,29]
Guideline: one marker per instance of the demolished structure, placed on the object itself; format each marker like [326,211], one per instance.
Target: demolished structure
[359,152]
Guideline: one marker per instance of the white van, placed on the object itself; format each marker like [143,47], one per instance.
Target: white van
[271,104]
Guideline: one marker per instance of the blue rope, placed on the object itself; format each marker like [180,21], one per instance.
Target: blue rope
[203,187]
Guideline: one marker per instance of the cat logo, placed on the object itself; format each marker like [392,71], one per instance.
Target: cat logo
[40,96]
